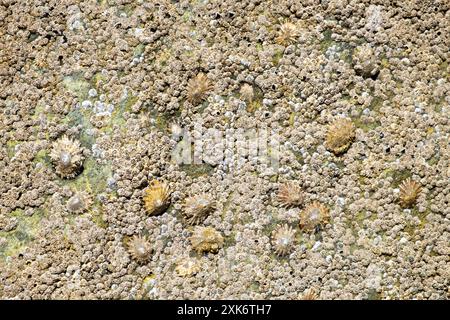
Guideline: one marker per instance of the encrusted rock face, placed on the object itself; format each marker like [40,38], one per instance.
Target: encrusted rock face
[283,239]
[197,208]
[314,215]
[156,198]
[206,239]
[67,157]
[409,191]
[114,75]
[139,248]
[340,136]
[198,87]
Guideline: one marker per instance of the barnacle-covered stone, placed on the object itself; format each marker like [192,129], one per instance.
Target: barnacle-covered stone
[340,136]
[197,208]
[206,239]
[67,157]
[409,191]
[197,88]
[290,195]
[283,239]
[156,197]
[139,248]
[314,215]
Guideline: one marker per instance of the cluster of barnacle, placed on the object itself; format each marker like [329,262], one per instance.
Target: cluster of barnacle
[311,217]
[340,136]
[156,201]
[195,210]
[316,214]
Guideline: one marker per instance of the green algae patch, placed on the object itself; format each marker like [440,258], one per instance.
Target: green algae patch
[399,176]
[42,157]
[327,41]
[22,235]
[197,170]
[94,177]
[277,57]
[80,117]
[360,217]
[366,126]
[117,116]
[39,111]
[229,241]
[256,103]
[376,103]
[187,16]
[139,50]
[373,295]
[97,215]
[292,118]
[97,80]
[11,146]
[77,85]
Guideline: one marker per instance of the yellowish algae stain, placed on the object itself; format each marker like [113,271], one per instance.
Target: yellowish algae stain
[77,85]
[11,146]
[292,118]
[24,233]
[40,111]
[97,80]
[139,50]
[149,283]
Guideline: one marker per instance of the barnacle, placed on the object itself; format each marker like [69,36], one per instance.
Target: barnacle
[247,93]
[206,239]
[79,202]
[365,61]
[139,248]
[197,88]
[290,195]
[283,239]
[313,215]
[187,267]
[409,190]
[156,198]
[67,156]
[310,294]
[341,134]
[197,208]
[288,34]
